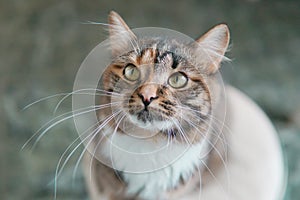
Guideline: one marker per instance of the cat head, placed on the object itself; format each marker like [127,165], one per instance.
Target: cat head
[164,85]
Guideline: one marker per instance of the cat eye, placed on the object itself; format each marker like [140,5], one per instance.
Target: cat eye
[131,72]
[177,80]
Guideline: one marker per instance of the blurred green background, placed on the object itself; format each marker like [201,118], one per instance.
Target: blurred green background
[44,42]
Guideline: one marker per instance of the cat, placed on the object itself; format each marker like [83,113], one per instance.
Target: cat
[163,129]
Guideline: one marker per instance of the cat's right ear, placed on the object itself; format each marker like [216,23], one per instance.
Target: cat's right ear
[212,46]
[120,36]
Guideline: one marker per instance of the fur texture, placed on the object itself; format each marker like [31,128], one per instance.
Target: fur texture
[163,96]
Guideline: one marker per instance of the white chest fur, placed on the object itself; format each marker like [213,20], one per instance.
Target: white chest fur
[150,168]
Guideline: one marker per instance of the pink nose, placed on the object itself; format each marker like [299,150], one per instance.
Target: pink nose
[148,93]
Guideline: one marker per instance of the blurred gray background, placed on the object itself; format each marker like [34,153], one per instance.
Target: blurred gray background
[44,42]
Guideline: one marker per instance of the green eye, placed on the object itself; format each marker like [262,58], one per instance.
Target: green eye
[131,72]
[177,80]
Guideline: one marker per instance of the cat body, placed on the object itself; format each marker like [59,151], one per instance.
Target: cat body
[164,127]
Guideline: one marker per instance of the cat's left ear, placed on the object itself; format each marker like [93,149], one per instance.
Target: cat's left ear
[212,47]
[121,37]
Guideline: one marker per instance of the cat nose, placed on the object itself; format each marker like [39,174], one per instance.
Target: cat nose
[148,93]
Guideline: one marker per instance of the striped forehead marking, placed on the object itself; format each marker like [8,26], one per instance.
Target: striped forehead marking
[160,57]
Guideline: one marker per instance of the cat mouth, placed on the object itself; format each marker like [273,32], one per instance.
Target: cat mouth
[145,116]
[150,120]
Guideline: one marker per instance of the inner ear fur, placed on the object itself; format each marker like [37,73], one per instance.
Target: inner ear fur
[120,35]
[211,47]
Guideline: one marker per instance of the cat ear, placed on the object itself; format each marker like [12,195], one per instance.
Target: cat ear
[212,47]
[121,38]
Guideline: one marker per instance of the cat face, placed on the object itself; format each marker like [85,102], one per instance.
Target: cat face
[164,85]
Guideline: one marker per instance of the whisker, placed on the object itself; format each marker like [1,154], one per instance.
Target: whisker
[213,146]
[210,115]
[94,133]
[113,26]
[106,121]
[177,124]
[68,93]
[58,170]
[43,99]
[96,23]
[214,177]
[214,121]
[200,182]
[168,139]
[65,116]
[218,133]
[72,93]
[114,132]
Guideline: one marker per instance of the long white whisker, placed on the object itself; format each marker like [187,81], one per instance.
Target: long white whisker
[66,93]
[45,125]
[57,171]
[106,121]
[200,182]
[94,108]
[213,147]
[77,93]
[93,132]
[43,99]
[214,177]
[111,141]
[214,119]
[216,150]
[120,32]
[181,131]
[204,135]
[96,23]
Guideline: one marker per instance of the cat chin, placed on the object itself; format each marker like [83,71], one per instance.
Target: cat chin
[154,125]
